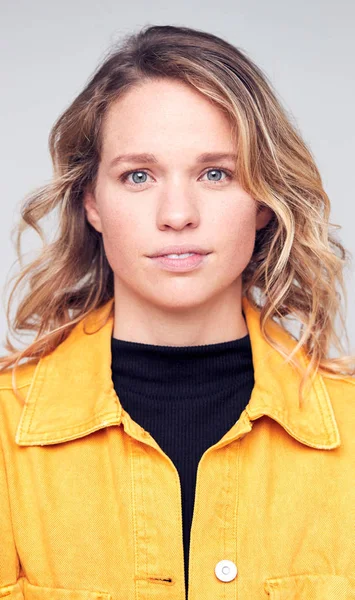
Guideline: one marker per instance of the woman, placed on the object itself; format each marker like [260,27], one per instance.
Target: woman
[167,434]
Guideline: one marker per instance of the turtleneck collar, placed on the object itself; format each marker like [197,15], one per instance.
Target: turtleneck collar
[181,371]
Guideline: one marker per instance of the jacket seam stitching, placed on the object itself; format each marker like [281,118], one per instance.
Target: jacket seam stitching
[74,427]
[19,387]
[286,422]
[10,510]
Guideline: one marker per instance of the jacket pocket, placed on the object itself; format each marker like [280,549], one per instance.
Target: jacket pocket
[35,592]
[311,587]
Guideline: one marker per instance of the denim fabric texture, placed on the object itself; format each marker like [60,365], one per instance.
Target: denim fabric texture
[90,506]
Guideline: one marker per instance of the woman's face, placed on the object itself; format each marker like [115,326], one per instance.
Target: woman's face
[173,198]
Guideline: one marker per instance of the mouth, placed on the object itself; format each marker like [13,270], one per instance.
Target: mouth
[180,262]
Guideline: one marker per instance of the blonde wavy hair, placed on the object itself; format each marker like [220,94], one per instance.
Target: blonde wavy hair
[296,263]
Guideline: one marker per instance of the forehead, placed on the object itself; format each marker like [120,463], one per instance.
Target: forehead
[165,112]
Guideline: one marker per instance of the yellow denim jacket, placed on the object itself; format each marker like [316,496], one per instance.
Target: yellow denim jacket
[90,506]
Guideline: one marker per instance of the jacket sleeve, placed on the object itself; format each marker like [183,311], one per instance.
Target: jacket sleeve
[9,562]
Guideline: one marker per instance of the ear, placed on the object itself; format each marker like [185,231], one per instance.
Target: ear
[91,209]
[264,215]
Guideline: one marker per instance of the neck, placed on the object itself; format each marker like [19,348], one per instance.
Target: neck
[221,319]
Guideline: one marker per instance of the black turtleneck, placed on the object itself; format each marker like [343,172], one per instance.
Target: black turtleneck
[187,397]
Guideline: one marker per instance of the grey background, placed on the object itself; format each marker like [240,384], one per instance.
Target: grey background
[49,50]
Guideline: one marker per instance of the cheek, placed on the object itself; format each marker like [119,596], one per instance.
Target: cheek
[238,232]
[115,236]
[121,237]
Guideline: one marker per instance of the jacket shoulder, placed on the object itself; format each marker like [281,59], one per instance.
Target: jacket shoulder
[338,388]
[23,374]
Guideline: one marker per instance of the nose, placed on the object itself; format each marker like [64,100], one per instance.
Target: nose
[177,209]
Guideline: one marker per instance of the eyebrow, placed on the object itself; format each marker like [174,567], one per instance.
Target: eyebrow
[150,158]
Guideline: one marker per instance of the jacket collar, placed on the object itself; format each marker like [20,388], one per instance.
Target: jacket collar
[71,393]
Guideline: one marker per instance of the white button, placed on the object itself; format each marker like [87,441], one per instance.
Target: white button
[104,423]
[226,570]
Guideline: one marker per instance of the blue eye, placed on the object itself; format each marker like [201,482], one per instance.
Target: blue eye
[139,180]
[216,171]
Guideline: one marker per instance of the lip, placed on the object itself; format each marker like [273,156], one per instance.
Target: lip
[180,264]
[183,249]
